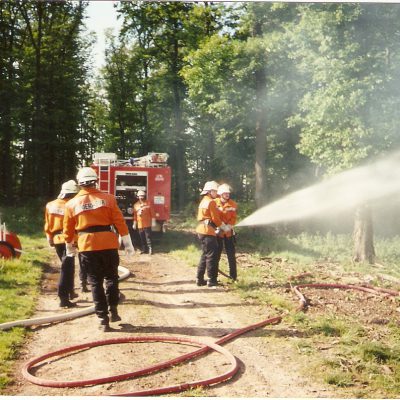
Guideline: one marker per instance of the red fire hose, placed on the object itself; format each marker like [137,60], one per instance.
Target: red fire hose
[205,347]
[368,289]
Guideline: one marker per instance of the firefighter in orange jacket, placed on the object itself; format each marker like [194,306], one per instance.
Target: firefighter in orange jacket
[53,227]
[94,214]
[209,219]
[226,237]
[143,220]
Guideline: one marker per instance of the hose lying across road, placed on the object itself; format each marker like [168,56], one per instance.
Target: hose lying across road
[124,273]
[204,347]
[150,392]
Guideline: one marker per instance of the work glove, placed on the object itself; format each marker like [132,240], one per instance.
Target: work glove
[50,241]
[224,227]
[134,225]
[228,227]
[70,250]
[127,242]
[153,223]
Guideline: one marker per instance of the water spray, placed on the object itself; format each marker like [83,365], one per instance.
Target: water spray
[338,193]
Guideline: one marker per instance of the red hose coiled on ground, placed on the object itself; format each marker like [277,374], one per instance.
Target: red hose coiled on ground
[205,348]
[150,392]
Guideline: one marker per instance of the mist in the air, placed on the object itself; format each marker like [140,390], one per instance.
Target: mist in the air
[337,194]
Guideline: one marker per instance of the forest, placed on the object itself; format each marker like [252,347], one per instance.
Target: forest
[268,97]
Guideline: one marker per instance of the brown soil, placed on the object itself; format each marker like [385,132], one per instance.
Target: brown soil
[160,298]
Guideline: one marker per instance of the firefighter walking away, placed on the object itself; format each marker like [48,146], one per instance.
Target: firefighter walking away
[53,227]
[95,216]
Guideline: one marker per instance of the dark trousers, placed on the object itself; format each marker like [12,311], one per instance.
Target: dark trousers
[209,258]
[82,272]
[67,273]
[102,268]
[229,244]
[135,237]
[145,238]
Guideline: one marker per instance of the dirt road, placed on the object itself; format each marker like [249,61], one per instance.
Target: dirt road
[161,298]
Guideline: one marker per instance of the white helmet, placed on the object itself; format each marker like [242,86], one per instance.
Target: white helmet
[86,176]
[210,185]
[224,188]
[69,187]
[141,193]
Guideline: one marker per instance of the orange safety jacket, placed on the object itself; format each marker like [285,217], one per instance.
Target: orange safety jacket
[228,212]
[208,213]
[53,220]
[91,209]
[143,213]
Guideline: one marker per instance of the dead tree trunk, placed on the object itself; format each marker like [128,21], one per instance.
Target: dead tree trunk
[363,236]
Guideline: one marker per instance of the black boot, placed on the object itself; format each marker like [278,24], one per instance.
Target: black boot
[73,295]
[201,282]
[114,314]
[84,288]
[104,325]
[65,303]
[212,282]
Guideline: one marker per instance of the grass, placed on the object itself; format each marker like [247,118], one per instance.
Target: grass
[19,283]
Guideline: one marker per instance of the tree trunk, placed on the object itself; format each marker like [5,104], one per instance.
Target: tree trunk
[363,236]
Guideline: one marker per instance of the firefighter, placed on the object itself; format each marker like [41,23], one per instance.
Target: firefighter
[226,238]
[143,220]
[94,214]
[54,217]
[210,221]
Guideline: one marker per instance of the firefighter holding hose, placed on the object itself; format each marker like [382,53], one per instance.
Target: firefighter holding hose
[226,238]
[210,222]
[94,215]
[53,227]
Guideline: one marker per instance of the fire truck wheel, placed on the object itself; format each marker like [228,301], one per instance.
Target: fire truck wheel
[6,250]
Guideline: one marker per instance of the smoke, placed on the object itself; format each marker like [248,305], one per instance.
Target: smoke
[338,193]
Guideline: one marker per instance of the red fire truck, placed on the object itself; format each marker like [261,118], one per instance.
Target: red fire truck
[124,178]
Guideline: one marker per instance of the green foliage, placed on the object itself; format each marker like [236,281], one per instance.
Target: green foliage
[347,75]
[44,66]
[340,379]
[19,288]
[329,326]
[24,220]
[379,353]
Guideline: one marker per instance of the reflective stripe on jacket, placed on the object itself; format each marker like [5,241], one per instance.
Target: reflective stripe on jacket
[208,212]
[53,220]
[228,214]
[91,207]
[143,213]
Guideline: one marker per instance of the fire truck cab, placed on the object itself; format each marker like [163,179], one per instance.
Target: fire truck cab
[124,178]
